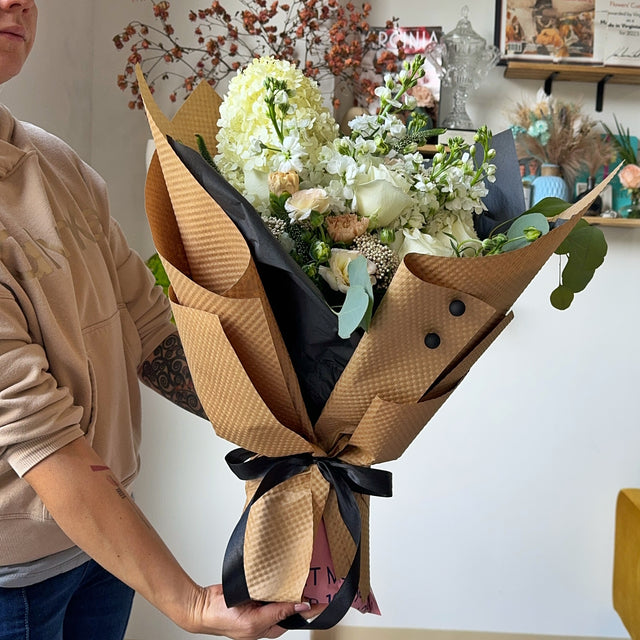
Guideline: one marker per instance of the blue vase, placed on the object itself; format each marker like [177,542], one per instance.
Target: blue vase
[549,184]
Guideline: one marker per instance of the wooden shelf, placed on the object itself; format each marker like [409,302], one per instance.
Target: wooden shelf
[568,72]
[613,222]
[571,72]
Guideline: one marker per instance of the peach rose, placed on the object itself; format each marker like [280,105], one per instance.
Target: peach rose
[300,205]
[346,227]
[283,181]
[630,176]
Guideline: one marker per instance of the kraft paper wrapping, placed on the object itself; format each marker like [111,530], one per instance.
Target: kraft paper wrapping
[626,564]
[391,387]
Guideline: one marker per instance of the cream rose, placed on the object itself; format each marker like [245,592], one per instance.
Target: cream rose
[630,176]
[417,242]
[382,198]
[336,275]
[283,182]
[300,205]
[438,241]
[346,227]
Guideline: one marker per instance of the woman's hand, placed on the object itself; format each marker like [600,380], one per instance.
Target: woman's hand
[250,621]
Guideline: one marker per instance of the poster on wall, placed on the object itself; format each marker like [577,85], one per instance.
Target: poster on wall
[414,40]
[547,30]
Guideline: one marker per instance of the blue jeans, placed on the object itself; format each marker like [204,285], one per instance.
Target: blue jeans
[86,603]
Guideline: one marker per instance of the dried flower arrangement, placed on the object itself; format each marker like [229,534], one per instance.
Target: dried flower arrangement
[557,132]
[324,38]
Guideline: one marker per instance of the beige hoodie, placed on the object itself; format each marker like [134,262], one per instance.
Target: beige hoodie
[78,314]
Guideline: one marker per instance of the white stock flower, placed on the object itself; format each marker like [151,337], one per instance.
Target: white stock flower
[290,155]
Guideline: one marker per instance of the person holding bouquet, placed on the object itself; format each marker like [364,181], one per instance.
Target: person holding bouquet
[80,321]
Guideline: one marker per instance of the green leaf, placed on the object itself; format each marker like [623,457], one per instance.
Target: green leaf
[549,207]
[204,151]
[353,310]
[561,298]
[575,276]
[277,204]
[358,303]
[586,245]
[516,230]
[155,266]
[585,248]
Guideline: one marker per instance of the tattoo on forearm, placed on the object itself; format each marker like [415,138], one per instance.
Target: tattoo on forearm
[167,372]
[122,494]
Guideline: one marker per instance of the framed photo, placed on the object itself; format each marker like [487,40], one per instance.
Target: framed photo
[548,30]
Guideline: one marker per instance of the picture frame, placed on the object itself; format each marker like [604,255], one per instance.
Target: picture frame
[416,40]
[549,30]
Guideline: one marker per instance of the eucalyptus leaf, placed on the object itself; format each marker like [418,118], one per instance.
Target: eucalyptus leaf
[585,244]
[575,276]
[358,303]
[561,298]
[354,310]
[585,248]
[359,275]
[549,207]
[516,230]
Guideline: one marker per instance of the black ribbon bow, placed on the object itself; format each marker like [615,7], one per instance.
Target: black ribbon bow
[345,479]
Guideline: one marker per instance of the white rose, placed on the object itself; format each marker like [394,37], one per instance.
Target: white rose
[417,242]
[336,275]
[459,225]
[300,205]
[382,198]
[438,241]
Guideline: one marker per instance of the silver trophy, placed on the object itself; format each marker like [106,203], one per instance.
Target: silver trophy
[462,60]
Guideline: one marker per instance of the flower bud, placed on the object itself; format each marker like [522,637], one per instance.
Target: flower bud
[320,251]
[494,243]
[311,270]
[531,233]
[387,236]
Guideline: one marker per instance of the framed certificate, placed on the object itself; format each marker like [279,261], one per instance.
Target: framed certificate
[547,30]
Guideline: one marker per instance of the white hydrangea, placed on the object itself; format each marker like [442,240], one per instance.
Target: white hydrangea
[243,119]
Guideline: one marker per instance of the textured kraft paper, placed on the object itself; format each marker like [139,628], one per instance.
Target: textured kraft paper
[626,564]
[390,389]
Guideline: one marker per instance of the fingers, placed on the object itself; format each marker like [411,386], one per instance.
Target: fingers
[249,621]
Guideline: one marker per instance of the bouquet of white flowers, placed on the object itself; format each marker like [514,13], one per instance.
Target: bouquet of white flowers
[292,215]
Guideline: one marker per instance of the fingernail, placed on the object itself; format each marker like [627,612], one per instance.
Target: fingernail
[302,606]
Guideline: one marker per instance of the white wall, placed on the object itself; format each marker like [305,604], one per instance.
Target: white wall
[503,513]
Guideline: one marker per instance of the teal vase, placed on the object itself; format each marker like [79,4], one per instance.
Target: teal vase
[632,210]
[549,184]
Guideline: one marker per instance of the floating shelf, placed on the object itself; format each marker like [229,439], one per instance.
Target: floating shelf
[567,72]
[613,222]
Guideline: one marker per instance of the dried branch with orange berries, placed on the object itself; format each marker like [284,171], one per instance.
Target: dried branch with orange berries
[324,38]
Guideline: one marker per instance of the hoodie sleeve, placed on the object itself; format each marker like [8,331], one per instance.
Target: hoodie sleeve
[37,417]
[146,303]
